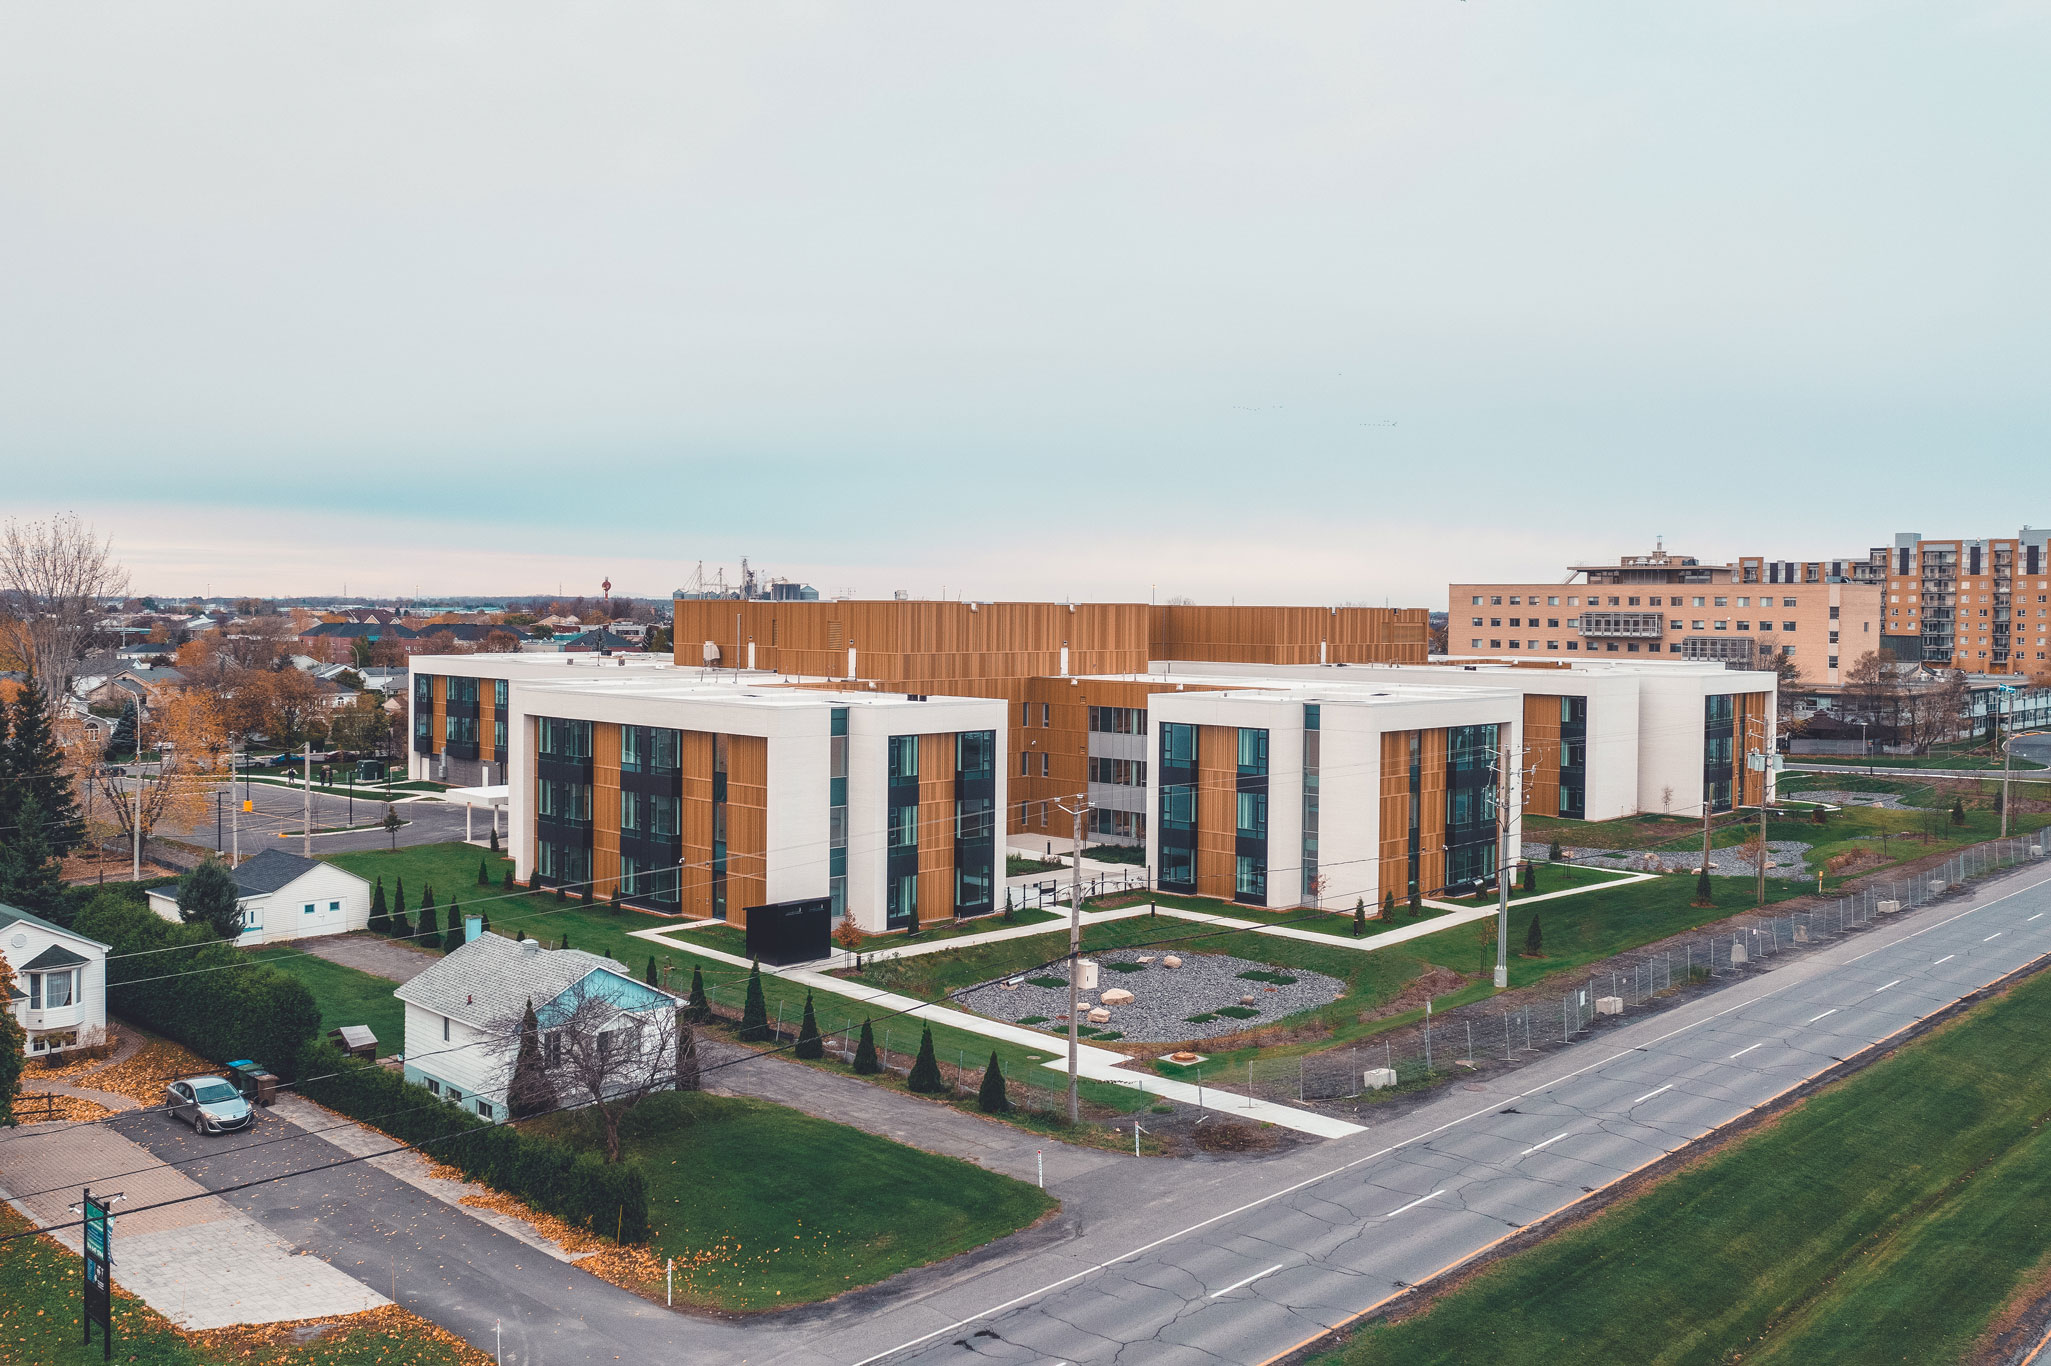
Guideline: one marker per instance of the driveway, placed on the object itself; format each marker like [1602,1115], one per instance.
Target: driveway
[372,953]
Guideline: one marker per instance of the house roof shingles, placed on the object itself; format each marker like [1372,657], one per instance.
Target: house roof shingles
[271,870]
[56,956]
[492,978]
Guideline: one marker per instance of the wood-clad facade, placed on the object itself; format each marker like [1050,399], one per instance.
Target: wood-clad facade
[747,825]
[1542,714]
[605,810]
[1289,635]
[1217,810]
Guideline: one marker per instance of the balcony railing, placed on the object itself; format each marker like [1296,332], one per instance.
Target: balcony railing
[1623,625]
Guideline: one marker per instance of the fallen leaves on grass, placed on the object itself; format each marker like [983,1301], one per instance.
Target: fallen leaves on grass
[145,1073]
[35,1107]
[290,1341]
[631,1268]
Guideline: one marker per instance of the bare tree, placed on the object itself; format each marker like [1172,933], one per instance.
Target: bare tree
[53,576]
[599,1056]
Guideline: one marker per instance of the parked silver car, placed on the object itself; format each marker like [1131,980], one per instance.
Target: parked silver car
[210,1105]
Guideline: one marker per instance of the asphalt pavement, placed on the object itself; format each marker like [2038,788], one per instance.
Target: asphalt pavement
[282,809]
[1194,1261]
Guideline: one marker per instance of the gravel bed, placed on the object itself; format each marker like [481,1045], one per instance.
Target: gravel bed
[1890,800]
[1164,998]
[1784,859]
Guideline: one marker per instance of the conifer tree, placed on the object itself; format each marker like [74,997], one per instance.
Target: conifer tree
[649,977]
[754,1010]
[452,938]
[31,876]
[865,1052]
[483,878]
[1534,939]
[494,838]
[531,1092]
[1389,904]
[208,896]
[925,1075]
[34,769]
[429,929]
[810,1044]
[698,1004]
[1530,878]
[991,1097]
[380,914]
[1359,916]
[1703,893]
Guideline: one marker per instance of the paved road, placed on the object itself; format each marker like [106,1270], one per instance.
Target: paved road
[280,808]
[1197,1261]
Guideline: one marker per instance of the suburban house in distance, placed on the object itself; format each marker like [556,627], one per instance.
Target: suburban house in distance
[60,982]
[463,1011]
[284,896]
[1820,614]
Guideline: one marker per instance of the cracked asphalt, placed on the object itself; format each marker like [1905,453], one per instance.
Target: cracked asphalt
[1206,1262]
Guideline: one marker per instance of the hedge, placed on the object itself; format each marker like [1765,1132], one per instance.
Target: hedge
[211,997]
[550,1175]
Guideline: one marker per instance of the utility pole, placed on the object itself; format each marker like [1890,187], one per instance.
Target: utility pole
[306,801]
[1074,956]
[2009,693]
[1760,760]
[1503,865]
[135,872]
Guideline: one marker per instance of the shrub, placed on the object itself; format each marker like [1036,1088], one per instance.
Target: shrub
[1530,878]
[1534,939]
[484,878]
[1958,811]
[991,1097]
[698,1005]
[925,1074]
[494,849]
[380,915]
[1389,904]
[649,976]
[1359,916]
[1703,893]
[548,1174]
[506,882]
[240,1009]
[1552,851]
[865,1052]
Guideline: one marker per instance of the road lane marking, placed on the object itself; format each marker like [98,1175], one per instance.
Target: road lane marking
[1945,959]
[1895,983]
[1412,1205]
[1831,1011]
[1536,1146]
[1241,1285]
[2034,917]
[1650,1094]
[1996,935]
[1749,1047]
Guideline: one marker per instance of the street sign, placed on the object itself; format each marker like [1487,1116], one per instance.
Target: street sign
[98,1283]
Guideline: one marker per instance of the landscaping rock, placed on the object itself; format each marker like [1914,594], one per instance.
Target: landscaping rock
[1100,1016]
[1116,996]
[1171,961]
[1162,1002]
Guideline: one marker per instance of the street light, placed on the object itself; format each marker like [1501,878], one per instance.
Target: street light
[1081,805]
[2009,693]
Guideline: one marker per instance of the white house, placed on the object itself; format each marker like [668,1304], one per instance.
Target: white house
[462,1010]
[284,896]
[60,981]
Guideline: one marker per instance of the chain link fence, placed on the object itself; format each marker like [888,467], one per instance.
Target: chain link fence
[1517,1027]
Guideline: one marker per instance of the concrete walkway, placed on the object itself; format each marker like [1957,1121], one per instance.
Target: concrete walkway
[130,1041]
[201,1264]
[1096,1064]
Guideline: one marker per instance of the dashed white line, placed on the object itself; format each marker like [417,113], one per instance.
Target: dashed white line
[1945,959]
[1412,1205]
[1536,1146]
[1241,1285]
[2034,917]
[1895,983]
[1650,1094]
[1831,1011]
[1996,935]
[1749,1047]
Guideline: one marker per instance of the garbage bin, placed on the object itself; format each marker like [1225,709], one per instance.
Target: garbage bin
[266,1087]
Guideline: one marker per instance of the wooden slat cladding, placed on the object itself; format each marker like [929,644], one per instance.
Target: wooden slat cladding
[1217,811]
[1431,814]
[1541,768]
[1289,635]
[918,646]
[1395,815]
[747,824]
[605,808]
[1749,734]
[437,730]
[694,756]
[936,828]
[487,712]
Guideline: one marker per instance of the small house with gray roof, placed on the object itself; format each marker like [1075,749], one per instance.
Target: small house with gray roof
[463,1013]
[59,994]
[284,896]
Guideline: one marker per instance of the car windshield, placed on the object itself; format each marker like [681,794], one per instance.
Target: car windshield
[213,1092]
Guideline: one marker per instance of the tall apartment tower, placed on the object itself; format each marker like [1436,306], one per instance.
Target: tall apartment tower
[1982,606]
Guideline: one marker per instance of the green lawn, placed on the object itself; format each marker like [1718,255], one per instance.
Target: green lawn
[39,1323]
[1550,877]
[1887,1219]
[345,995]
[1957,762]
[765,1207]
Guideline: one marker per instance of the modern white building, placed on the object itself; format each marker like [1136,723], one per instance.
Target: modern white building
[60,982]
[463,1015]
[284,896]
[1603,739]
[700,793]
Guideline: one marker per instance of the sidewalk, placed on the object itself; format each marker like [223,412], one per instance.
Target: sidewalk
[1096,1064]
[201,1264]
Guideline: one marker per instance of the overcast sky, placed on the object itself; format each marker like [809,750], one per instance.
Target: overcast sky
[1293,302]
